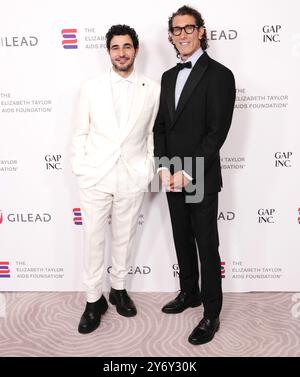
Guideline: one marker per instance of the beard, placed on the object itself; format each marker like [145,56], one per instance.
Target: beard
[123,68]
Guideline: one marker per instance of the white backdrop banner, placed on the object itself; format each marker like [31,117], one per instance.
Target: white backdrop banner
[47,48]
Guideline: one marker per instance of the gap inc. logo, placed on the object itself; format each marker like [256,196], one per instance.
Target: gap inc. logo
[69,38]
[4,270]
[222,270]
[77,216]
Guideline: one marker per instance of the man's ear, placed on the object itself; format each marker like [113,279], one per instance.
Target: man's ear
[201,31]
[170,38]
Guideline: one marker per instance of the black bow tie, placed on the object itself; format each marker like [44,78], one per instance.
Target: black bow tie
[184,65]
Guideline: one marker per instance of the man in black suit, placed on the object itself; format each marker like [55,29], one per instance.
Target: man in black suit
[194,117]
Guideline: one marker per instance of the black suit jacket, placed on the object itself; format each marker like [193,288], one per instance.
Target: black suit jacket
[199,126]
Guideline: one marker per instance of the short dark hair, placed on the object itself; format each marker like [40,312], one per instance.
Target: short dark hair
[122,30]
[186,10]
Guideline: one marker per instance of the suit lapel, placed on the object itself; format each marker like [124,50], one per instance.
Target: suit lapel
[171,85]
[193,80]
[138,99]
[108,102]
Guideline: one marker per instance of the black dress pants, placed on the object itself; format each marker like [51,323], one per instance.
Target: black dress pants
[195,233]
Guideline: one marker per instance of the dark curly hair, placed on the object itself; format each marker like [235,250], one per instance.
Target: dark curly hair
[122,30]
[183,11]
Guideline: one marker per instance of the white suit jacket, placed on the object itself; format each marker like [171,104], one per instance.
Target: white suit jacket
[98,141]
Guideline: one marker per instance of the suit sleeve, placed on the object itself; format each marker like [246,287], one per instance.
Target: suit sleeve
[82,127]
[219,110]
[150,143]
[159,130]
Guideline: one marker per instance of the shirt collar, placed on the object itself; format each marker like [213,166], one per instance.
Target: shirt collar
[193,59]
[116,78]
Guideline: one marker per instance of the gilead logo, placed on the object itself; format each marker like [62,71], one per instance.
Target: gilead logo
[19,41]
[29,217]
[215,35]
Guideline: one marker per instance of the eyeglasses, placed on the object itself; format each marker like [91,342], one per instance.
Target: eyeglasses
[189,29]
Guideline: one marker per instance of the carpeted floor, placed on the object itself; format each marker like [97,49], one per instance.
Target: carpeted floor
[45,324]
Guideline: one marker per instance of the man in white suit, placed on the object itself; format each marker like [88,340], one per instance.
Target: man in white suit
[113,160]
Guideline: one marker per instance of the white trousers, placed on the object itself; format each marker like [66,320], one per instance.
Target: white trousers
[115,194]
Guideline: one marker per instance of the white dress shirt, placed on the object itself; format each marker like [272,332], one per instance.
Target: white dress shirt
[184,73]
[122,92]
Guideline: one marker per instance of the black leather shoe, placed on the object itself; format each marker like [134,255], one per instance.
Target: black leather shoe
[91,317]
[125,306]
[181,302]
[204,331]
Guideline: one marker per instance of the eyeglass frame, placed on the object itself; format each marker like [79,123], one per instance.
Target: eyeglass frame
[184,27]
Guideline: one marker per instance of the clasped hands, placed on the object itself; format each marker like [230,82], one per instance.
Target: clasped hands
[175,182]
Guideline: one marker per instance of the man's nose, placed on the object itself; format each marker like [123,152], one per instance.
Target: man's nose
[183,34]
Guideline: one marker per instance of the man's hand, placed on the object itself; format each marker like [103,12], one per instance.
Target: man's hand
[165,177]
[178,181]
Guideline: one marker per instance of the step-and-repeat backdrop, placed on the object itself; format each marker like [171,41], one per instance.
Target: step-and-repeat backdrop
[47,48]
